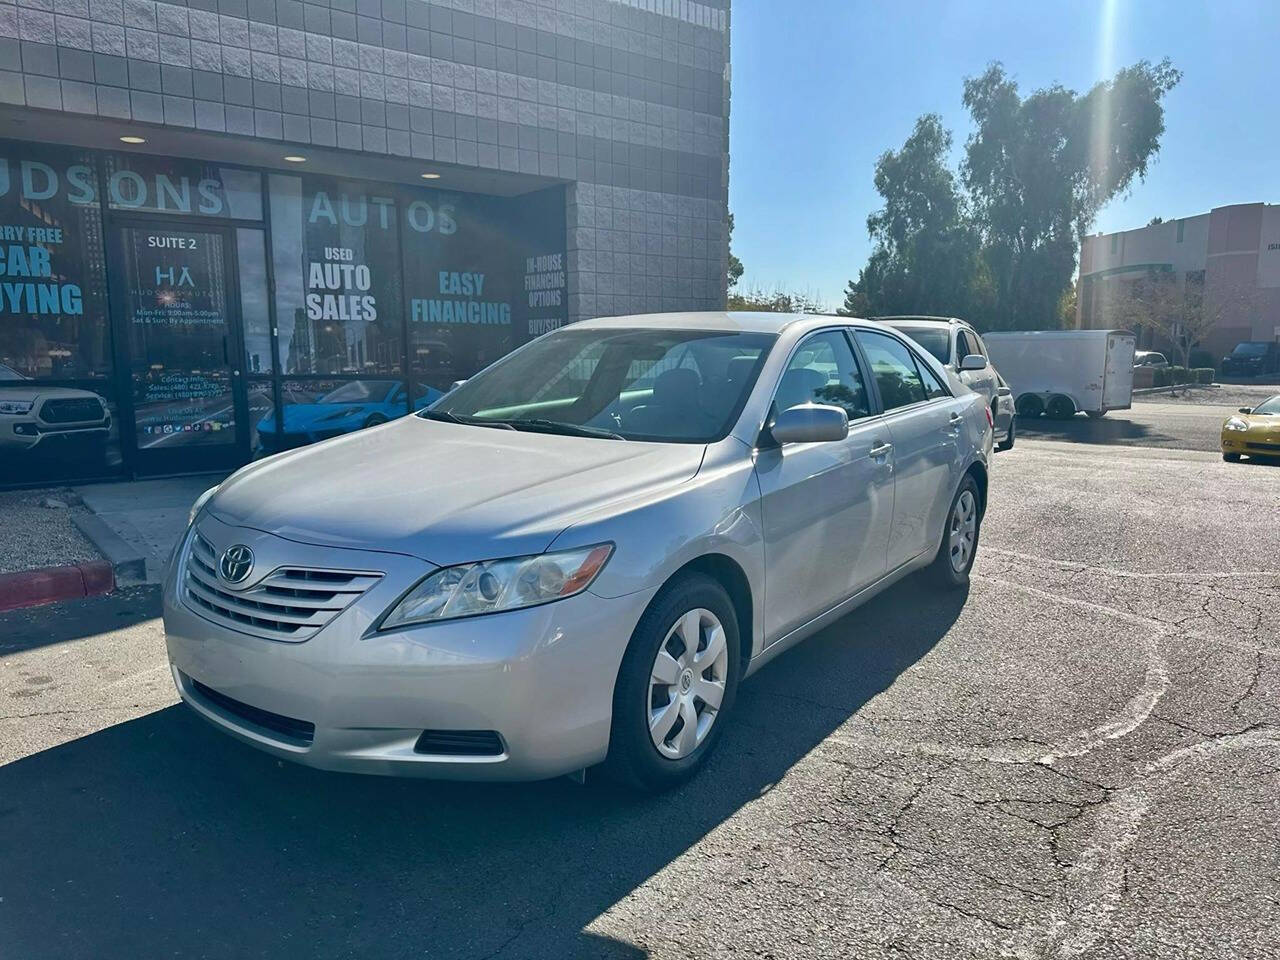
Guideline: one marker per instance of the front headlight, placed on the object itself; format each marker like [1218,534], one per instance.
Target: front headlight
[1235,423]
[199,504]
[489,586]
[16,407]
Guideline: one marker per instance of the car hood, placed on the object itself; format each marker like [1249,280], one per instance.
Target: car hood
[1261,423]
[9,390]
[445,493]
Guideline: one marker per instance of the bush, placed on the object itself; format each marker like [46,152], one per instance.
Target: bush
[1203,374]
[1180,375]
[1161,376]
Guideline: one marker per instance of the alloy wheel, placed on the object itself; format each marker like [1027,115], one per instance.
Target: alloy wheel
[687,683]
[962,530]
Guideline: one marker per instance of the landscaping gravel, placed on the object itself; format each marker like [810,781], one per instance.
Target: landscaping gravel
[34,535]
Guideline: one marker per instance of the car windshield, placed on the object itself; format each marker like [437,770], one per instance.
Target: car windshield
[1268,406]
[1254,349]
[936,341]
[681,386]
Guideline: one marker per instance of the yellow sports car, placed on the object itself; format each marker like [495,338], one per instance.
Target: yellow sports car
[1253,432]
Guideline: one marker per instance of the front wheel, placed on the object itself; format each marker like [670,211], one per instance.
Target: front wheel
[951,566]
[676,685]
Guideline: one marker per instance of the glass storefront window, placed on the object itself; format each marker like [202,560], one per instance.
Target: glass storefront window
[255,310]
[319,409]
[141,184]
[336,254]
[53,286]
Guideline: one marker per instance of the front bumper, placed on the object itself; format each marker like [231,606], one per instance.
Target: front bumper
[1251,443]
[27,431]
[542,677]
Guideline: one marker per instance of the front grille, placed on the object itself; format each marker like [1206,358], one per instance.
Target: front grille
[290,603]
[460,743]
[298,732]
[72,410]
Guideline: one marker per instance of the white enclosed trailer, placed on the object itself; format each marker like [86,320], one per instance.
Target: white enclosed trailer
[1061,372]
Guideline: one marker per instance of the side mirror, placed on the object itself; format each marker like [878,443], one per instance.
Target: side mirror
[810,423]
[1246,409]
[974,361]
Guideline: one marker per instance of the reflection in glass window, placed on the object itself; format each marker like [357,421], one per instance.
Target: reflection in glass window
[315,410]
[894,369]
[255,311]
[182,187]
[933,387]
[336,254]
[53,308]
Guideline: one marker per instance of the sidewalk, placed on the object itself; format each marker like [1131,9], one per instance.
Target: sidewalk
[147,516]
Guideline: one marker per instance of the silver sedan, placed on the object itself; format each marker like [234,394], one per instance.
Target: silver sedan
[575,557]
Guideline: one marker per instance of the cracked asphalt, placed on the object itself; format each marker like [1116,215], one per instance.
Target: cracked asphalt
[1080,757]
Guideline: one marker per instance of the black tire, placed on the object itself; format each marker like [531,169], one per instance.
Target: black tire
[374,420]
[1060,408]
[942,571]
[1231,457]
[1007,442]
[1029,406]
[1097,414]
[633,759]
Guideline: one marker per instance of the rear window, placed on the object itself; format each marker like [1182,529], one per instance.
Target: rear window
[936,341]
[1257,348]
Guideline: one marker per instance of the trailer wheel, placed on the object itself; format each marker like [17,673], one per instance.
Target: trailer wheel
[1060,407]
[1097,414]
[1029,405]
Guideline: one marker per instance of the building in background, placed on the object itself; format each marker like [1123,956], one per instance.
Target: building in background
[235,226]
[1233,251]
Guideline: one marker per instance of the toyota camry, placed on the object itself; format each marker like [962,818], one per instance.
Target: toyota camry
[574,558]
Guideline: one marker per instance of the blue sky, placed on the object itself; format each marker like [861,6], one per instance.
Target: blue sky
[822,87]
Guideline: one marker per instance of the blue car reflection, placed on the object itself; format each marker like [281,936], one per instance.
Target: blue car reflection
[354,405]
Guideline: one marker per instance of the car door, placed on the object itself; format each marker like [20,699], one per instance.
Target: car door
[979,381]
[924,422]
[826,507]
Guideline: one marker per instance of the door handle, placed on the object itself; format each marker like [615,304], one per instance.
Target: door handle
[881,450]
[956,420]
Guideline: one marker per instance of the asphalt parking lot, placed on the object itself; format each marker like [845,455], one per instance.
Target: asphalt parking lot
[1080,757]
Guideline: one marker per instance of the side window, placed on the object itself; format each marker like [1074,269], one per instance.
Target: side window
[894,369]
[823,370]
[963,347]
[933,387]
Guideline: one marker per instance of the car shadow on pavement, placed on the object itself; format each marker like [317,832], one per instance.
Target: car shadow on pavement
[163,837]
[43,626]
[1112,429]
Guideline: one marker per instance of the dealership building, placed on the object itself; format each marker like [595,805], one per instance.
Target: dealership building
[229,227]
[1233,252]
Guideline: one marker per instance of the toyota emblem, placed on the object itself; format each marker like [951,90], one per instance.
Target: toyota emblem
[236,563]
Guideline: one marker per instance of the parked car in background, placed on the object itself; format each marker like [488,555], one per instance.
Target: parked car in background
[1150,358]
[562,562]
[1063,372]
[957,346]
[1253,432]
[1002,415]
[1252,358]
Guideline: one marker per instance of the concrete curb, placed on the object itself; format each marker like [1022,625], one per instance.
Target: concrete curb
[1148,391]
[29,588]
[127,564]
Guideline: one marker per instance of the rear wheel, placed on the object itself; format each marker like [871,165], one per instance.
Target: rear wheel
[1231,457]
[1030,406]
[954,560]
[676,685]
[1060,407]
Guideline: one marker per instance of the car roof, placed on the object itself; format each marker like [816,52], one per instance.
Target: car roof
[921,319]
[735,321]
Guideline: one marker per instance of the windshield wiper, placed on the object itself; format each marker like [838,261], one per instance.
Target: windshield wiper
[557,426]
[448,417]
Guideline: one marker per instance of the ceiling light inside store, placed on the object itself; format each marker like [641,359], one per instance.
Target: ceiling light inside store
[431,176]
[133,139]
[294,158]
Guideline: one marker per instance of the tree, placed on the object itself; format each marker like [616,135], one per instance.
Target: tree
[735,265]
[1181,312]
[926,253]
[1039,169]
[779,301]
